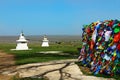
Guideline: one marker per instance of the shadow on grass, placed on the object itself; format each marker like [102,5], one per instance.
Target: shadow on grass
[40,57]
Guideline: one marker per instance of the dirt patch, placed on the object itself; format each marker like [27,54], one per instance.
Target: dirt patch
[6,58]
[7,62]
[5,77]
[85,70]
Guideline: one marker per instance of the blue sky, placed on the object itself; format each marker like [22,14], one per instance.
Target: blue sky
[53,17]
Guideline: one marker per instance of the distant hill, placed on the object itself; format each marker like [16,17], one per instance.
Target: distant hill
[36,39]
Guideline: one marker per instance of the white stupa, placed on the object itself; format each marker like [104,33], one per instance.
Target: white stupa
[45,42]
[22,43]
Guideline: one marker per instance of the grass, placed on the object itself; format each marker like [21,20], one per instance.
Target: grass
[33,56]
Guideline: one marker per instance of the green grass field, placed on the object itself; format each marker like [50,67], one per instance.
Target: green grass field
[33,56]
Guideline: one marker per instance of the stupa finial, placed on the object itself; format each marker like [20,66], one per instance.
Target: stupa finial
[22,34]
[44,36]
